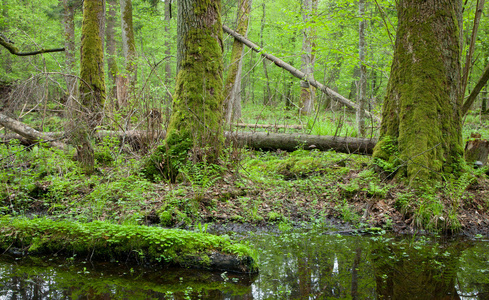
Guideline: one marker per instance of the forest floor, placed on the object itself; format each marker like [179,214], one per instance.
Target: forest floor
[277,189]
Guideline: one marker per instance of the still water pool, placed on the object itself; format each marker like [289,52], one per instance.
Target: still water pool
[311,264]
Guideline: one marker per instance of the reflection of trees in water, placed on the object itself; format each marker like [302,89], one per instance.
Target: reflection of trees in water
[301,266]
[418,270]
[31,278]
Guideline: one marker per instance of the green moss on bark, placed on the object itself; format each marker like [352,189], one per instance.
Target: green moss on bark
[198,97]
[422,107]
[92,87]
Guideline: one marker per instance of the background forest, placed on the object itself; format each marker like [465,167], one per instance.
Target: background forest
[304,185]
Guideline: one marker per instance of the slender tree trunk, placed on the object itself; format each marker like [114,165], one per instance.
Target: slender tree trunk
[308,93]
[92,84]
[232,87]
[421,124]
[128,81]
[267,95]
[113,70]
[168,73]
[69,30]
[362,85]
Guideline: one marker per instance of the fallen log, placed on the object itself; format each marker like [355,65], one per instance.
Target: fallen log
[277,126]
[292,142]
[295,72]
[255,140]
[29,133]
[103,240]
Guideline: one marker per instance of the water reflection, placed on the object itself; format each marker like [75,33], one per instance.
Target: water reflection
[298,265]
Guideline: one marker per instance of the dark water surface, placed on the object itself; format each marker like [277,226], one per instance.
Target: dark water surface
[300,265]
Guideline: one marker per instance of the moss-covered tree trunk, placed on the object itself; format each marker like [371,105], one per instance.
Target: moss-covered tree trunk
[128,80]
[421,118]
[92,83]
[196,120]
[232,87]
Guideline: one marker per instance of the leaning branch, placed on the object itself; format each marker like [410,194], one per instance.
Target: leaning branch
[475,92]
[12,49]
[296,73]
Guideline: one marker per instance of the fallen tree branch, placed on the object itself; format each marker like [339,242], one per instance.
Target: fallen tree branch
[296,73]
[29,133]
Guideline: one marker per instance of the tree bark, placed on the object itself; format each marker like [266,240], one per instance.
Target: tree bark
[421,118]
[168,73]
[197,105]
[296,73]
[232,86]
[113,70]
[308,92]
[128,80]
[362,84]
[470,52]
[267,95]
[87,114]
[69,30]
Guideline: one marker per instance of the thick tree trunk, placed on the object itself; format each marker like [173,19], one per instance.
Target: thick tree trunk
[421,124]
[128,80]
[232,87]
[87,115]
[296,73]
[362,84]
[308,93]
[196,120]
[113,70]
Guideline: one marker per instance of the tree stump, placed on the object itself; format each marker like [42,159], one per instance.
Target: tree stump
[476,150]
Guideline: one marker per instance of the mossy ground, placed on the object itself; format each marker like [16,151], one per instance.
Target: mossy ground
[277,188]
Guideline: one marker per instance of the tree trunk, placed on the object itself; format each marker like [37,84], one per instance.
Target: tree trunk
[69,31]
[232,87]
[168,76]
[267,94]
[128,80]
[196,122]
[362,84]
[113,70]
[308,58]
[92,84]
[421,118]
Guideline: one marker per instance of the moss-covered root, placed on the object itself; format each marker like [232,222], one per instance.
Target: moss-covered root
[110,241]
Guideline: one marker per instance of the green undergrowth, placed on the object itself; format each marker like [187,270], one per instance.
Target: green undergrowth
[112,241]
